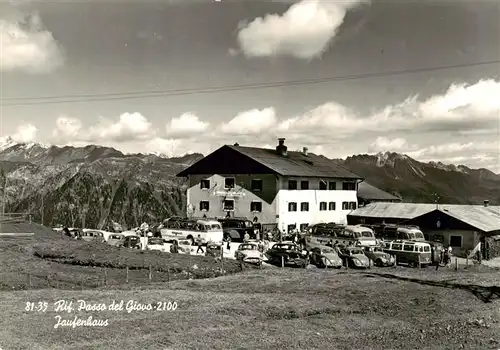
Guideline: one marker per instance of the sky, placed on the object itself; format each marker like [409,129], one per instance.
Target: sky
[413,77]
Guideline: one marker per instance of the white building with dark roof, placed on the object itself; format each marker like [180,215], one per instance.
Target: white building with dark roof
[271,186]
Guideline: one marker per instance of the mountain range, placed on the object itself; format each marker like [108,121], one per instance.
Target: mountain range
[92,186]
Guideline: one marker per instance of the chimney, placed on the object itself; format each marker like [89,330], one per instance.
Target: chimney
[236,144]
[486,202]
[304,151]
[281,149]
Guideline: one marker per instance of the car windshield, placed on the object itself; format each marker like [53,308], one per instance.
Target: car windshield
[366,234]
[248,224]
[327,250]
[356,251]
[378,249]
[285,247]
[248,247]
[419,235]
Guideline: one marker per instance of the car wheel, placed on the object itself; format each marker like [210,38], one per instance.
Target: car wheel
[378,263]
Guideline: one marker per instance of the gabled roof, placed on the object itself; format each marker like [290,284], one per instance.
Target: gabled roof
[486,219]
[294,164]
[369,192]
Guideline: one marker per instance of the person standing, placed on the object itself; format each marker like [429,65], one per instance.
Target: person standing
[199,242]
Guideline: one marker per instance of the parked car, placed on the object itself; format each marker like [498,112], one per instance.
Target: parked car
[91,236]
[354,257]
[213,250]
[132,242]
[324,257]
[236,228]
[185,246]
[379,257]
[288,253]
[116,240]
[249,252]
[155,243]
[414,254]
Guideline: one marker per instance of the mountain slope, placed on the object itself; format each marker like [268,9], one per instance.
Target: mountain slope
[92,186]
[420,182]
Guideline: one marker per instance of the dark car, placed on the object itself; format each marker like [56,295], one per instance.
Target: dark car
[287,253]
[213,250]
[324,257]
[236,228]
[132,242]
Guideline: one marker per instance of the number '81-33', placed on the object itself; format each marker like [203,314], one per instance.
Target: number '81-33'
[38,307]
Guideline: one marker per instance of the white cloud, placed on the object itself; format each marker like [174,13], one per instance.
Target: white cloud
[384,144]
[187,124]
[461,108]
[304,31]
[25,133]
[253,121]
[129,127]
[27,46]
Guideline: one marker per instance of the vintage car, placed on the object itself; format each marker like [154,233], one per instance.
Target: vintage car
[91,236]
[132,242]
[249,252]
[183,247]
[324,257]
[354,257]
[287,253]
[379,257]
[214,250]
[156,244]
[116,240]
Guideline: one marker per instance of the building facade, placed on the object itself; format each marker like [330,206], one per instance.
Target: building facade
[272,187]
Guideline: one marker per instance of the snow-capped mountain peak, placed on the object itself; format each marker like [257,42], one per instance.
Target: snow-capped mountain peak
[6,142]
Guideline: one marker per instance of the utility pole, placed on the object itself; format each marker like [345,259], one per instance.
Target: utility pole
[42,210]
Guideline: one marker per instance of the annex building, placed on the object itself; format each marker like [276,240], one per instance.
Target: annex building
[460,226]
[271,187]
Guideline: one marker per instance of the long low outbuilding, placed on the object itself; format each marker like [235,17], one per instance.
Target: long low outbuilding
[460,226]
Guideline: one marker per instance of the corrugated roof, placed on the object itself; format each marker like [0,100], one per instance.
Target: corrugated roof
[393,210]
[486,219]
[296,163]
[369,192]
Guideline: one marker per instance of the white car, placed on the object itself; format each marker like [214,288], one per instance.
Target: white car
[249,252]
[156,244]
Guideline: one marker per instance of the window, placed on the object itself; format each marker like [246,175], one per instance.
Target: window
[322,185]
[331,206]
[427,249]
[348,186]
[332,185]
[303,227]
[348,205]
[304,206]
[292,206]
[292,184]
[304,185]
[456,241]
[322,206]
[229,182]
[257,185]
[205,205]
[229,204]
[396,246]
[256,206]
[290,228]
[205,184]
[408,247]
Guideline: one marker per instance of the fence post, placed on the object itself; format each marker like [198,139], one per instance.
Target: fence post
[456,263]
[282,261]
[467,260]
[105,277]
[221,260]
[150,273]
[395,261]
[168,274]
[29,280]
[57,284]
[126,280]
